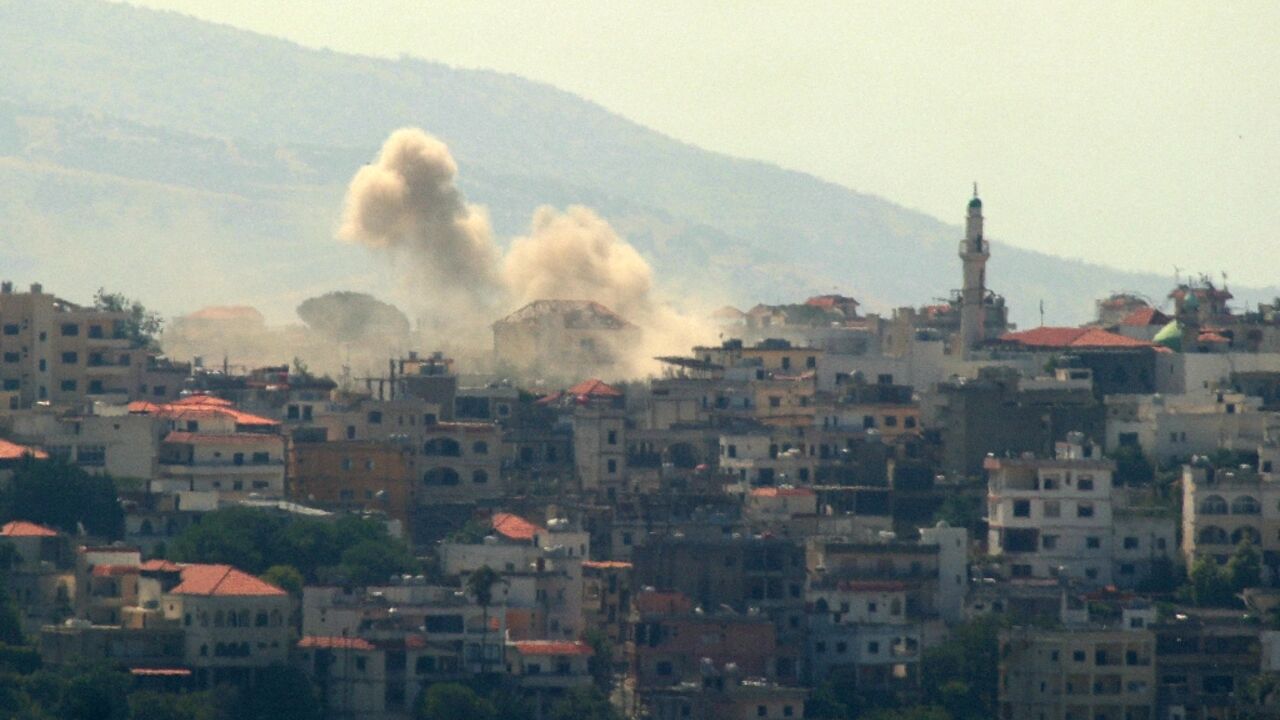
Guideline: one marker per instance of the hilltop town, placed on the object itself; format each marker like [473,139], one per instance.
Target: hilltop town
[817,512]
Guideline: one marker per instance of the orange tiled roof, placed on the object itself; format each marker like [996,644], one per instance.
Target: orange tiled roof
[552,647]
[1145,316]
[160,672]
[158,565]
[22,528]
[324,642]
[196,406]
[1065,337]
[114,570]
[513,527]
[594,388]
[782,492]
[222,580]
[606,564]
[14,451]
[1212,337]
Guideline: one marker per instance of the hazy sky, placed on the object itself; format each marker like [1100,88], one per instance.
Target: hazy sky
[1144,135]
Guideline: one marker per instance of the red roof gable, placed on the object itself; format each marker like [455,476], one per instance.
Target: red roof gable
[196,406]
[1070,337]
[22,528]
[222,580]
[782,492]
[594,388]
[14,451]
[552,647]
[334,643]
[513,527]
[1145,316]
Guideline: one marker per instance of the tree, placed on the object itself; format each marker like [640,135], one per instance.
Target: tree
[1210,585]
[285,577]
[1244,569]
[54,492]
[584,703]
[1132,466]
[370,562]
[963,671]
[282,692]
[919,712]
[601,663]
[962,510]
[480,586]
[141,326]
[452,701]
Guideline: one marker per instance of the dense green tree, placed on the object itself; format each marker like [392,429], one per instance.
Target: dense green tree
[601,663]
[1244,569]
[584,703]
[141,326]
[919,712]
[1132,466]
[54,492]
[962,672]
[370,562]
[1210,585]
[280,692]
[285,577]
[452,701]
[93,692]
[962,510]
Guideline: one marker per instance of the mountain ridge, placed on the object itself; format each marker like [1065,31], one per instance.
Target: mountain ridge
[144,94]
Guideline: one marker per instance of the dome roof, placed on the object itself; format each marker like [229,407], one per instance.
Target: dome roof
[975,203]
[1170,336]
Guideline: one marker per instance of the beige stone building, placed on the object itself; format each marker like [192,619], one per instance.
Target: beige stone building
[55,351]
[1222,508]
[565,336]
[1077,673]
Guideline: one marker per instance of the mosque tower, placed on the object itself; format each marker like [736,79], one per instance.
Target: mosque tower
[974,253]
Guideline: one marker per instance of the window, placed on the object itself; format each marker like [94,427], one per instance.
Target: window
[613,437]
[68,386]
[1084,510]
[70,330]
[890,421]
[1022,508]
[733,451]
[871,607]
[361,664]
[11,329]
[761,711]
[1131,543]
[480,447]
[479,477]
[1049,542]
[842,647]
[1093,542]
[1085,483]
[375,417]
[613,466]
[70,358]
[1052,509]
[1078,656]
[873,648]
[238,458]
[775,401]
[1126,569]
[261,458]
[12,357]
[663,668]
[909,422]
[91,455]
[12,384]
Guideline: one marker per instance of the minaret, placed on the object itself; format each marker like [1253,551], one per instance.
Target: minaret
[974,252]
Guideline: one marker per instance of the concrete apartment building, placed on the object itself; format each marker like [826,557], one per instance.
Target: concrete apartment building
[1077,673]
[1222,508]
[55,351]
[106,439]
[1170,428]
[355,476]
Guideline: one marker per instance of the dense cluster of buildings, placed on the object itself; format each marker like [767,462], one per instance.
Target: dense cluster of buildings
[765,516]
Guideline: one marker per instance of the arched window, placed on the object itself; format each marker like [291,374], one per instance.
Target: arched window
[244,618]
[440,476]
[821,606]
[479,477]
[480,447]
[1213,505]
[442,447]
[1213,535]
[218,620]
[1246,532]
[1245,505]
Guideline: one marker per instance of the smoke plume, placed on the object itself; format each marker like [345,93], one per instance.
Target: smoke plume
[408,205]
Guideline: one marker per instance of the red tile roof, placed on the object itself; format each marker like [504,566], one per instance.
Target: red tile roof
[782,492]
[1145,316]
[114,570]
[158,565]
[196,406]
[594,388]
[1212,337]
[222,580]
[552,647]
[606,564]
[14,451]
[334,643]
[22,528]
[1070,337]
[513,527]
[160,672]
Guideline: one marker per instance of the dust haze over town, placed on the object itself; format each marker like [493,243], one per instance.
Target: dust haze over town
[402,361]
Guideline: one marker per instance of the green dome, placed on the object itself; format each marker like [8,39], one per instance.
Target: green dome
[1170,336]
[1191,302]
[975,203]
